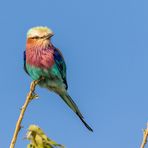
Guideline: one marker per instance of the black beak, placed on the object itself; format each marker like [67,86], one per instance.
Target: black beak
[48,36]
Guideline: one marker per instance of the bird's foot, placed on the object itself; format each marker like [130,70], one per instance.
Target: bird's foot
[34,96]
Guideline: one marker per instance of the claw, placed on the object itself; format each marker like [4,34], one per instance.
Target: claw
[34,96]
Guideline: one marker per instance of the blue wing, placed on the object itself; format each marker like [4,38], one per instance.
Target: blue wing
[59,60]
[25,63]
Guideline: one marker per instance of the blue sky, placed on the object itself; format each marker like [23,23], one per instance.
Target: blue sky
[105,45]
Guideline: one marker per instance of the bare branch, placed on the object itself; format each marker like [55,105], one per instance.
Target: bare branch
[31,95]
[145,136]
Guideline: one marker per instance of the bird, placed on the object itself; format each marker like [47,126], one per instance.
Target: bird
[43,60]
[38,138]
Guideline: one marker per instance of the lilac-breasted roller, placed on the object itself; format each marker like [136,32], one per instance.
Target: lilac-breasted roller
[43,59]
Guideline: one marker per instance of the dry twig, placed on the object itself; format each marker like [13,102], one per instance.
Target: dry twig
[31,95]
[145,136]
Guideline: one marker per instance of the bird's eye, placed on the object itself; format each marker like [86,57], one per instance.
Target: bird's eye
[42,37]
[35,37]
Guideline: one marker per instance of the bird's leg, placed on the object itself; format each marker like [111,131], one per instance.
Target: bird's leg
[34,96]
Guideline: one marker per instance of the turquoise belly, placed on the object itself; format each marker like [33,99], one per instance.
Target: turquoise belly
[52,76]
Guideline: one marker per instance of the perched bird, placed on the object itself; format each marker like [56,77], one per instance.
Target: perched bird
[38,139]
[43,59]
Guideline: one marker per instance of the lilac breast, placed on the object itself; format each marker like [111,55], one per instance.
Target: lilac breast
[40,57]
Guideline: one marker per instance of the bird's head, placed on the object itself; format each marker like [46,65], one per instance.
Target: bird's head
[39,33]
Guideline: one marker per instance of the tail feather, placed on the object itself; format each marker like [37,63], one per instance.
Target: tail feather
[84,122]
[68,100]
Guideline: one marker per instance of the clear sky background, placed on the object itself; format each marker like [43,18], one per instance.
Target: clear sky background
[105,45]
